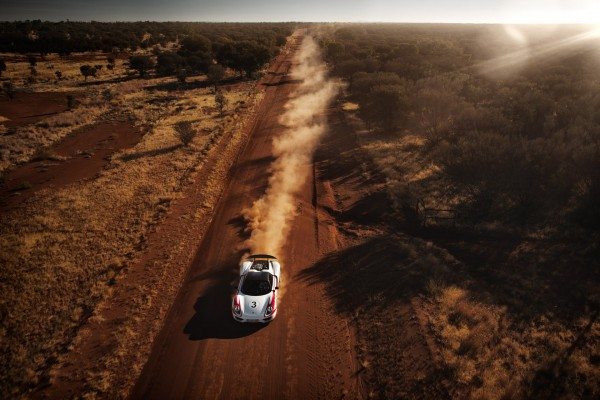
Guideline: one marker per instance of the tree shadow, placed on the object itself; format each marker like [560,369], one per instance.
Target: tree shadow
[40,115]
[386,268]
[263,162]
[162,100]
[113,80]
[240,224]
[337,157]
[150,153]
[551,380]
[371,209]
[176,85]
[546,282]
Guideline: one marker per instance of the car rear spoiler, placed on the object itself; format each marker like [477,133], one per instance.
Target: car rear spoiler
[261,256]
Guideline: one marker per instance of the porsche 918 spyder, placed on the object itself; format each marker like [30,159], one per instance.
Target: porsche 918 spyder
[255,296]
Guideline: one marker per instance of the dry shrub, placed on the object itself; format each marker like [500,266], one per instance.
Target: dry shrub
[469,332]
[185,131]
[46,154]
[493,356]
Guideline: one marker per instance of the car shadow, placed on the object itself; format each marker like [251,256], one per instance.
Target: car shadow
[212,317]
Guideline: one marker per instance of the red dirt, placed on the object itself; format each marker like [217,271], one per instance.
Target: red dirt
[202,353]
[86,152]
[307,352]
[28,108]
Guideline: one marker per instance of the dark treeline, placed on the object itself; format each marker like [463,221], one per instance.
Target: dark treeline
[520,141]
[179,49]
[68,37]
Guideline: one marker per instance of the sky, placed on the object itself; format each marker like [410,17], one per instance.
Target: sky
[469,11]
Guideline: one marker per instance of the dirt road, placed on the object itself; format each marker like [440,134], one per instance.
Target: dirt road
[307,352]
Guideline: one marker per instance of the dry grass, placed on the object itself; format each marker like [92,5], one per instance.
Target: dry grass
[23,142]
[494,356]
[517,320]
[410,173]
[27,140]
[62,260]
[149,300]
[18,71]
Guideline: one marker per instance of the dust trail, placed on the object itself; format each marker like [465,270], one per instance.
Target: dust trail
[270,216]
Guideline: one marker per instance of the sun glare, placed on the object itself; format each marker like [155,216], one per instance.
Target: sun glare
[553,12]
[505,63]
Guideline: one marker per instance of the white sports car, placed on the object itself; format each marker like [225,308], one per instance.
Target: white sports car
[255,297]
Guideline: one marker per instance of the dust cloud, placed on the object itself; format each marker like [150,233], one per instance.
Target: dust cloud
[269,217]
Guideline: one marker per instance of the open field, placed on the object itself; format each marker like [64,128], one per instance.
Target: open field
[84,184]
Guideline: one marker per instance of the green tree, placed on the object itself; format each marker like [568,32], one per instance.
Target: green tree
[182,75]
[221,102]
[364,82]
[71,101]
[169,63]
[142,64]
[252,56]
[196,44]
[244,56]
[32,60]
[185,131]
[280,40]
[216,72]
[388,105]
[9,89]
[406,51]
[435,108]
[111,60]
[199,62]
[348,68]
[87,70]
[334,51]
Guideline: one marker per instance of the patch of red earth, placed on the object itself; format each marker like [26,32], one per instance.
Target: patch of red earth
[29,108]
[85,153]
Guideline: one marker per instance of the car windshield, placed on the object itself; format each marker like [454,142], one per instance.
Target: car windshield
[257,283]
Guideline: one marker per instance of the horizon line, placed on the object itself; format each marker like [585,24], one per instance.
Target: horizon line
[303,22]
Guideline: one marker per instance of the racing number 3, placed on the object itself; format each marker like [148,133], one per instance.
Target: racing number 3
[253,304]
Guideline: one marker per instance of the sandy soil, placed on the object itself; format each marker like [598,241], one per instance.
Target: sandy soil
[189,262]
[28,108]
[326,342]
[306,352]
[79,156]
